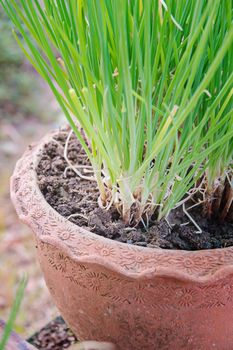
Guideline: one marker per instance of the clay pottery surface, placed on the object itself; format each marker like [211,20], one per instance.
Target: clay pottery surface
[137,298]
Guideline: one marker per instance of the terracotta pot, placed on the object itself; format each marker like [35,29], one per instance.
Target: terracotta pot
[138,298]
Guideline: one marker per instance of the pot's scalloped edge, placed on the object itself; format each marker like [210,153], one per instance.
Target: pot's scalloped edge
[196,266]
[160,272]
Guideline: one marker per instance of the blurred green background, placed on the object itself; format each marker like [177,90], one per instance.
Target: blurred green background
[27,111]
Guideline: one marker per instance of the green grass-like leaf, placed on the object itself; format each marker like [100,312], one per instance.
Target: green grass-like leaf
[13,314]
[150,82]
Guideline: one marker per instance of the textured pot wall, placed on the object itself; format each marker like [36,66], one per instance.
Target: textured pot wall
[138,298]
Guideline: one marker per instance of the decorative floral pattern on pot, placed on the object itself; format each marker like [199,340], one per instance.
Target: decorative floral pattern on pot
[138,298]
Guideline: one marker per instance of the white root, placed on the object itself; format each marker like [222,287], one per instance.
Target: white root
[184,223]
[147,220]
[167,221]
[199,230]
[70,165]
[110,203]
[85,170]
[57,143]
[230,180]
[77,215]
[190,193]
[144,225]
[195,205]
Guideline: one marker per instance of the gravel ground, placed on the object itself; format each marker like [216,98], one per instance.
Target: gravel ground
[54,336]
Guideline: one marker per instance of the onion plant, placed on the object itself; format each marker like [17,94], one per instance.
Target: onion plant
[146,86]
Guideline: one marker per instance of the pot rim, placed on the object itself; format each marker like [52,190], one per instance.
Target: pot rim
[32,207]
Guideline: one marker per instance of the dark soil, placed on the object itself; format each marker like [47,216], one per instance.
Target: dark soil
[70,195]
[54,336]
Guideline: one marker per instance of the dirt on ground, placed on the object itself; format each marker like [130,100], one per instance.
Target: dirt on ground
[76,199]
